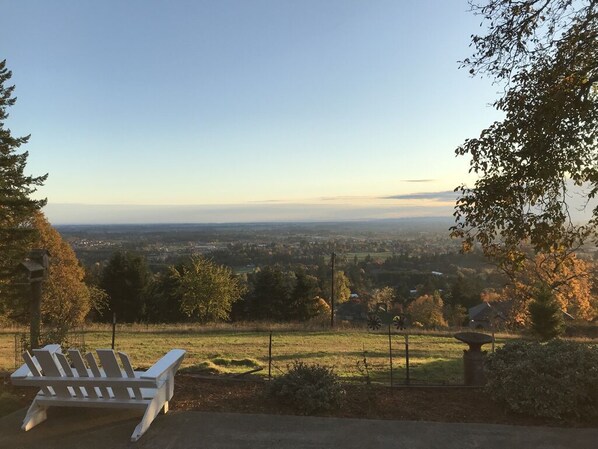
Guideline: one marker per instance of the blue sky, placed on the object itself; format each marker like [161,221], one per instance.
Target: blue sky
[246,109]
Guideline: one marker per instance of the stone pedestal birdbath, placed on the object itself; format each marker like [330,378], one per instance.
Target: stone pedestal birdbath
[473,358]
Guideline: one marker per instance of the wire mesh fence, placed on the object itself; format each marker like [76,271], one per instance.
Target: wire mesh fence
[395,359]
[73,338]
[357,355]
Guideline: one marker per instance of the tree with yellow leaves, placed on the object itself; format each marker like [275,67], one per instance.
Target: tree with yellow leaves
[427,310]
[567,276]
[66,299]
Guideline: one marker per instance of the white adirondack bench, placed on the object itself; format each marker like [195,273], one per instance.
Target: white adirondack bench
[76,384]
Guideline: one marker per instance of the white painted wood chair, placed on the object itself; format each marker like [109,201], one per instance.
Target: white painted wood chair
[76,384]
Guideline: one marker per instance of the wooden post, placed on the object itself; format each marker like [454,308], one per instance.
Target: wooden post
[270,358]
[332,294]
[113,328]
[36,314]
[36,267]
[390,354]
[407,379]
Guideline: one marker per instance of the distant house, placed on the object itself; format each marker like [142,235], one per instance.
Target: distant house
[486,314]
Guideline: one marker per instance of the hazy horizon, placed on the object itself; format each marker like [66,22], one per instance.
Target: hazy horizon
[61,214]
[355,208]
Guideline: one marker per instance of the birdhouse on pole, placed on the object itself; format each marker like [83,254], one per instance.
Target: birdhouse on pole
[36,265]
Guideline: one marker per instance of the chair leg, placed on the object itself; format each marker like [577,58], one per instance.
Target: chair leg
[35,415]
[165,407]
[152,410]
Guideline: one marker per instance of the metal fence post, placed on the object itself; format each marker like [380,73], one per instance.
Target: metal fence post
[270,358]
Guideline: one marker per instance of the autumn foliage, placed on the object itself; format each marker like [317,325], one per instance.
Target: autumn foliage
[427,310]
[66,298]
[567,276]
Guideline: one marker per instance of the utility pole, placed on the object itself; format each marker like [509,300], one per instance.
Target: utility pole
[332,293]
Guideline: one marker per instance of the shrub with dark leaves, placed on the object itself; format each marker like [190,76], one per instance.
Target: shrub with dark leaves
[308,388]
[556,380]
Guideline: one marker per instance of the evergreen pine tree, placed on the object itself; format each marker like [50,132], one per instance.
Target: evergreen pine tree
[546,315]
[125,279]
[304,297]
[17,208]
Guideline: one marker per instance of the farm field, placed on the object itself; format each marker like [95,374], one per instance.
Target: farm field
[434,358]
[361,256]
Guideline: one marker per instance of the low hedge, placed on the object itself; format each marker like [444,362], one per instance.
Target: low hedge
[556,380]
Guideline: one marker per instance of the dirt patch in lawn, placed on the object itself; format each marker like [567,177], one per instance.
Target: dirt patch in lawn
[222,394]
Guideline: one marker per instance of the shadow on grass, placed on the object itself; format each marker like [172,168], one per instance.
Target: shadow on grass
[304,355]
[436,372]
[421,372]
[358,355]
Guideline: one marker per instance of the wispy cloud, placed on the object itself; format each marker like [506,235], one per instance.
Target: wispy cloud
[418,180]
[344,198]
[446,195]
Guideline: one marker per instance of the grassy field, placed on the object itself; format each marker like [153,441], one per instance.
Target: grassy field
[434,358]
[376,256]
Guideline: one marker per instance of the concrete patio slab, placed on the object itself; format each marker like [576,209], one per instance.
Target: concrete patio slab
[107,429]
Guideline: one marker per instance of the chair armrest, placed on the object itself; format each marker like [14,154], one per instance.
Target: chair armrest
[52,348]
[21,373]
[170,361]
[87,382]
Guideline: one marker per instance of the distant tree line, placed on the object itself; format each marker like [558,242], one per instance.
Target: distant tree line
[198,289]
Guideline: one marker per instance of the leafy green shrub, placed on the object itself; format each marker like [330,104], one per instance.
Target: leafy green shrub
[556,380]
[308,388]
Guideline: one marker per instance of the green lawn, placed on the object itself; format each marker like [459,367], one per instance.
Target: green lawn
[227,348]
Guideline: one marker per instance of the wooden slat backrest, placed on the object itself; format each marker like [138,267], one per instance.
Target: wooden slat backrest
[111,368]
[93,366]
[30,362]
[68,372]
[124,358]
[81,371]
[51,369]
[64,364]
